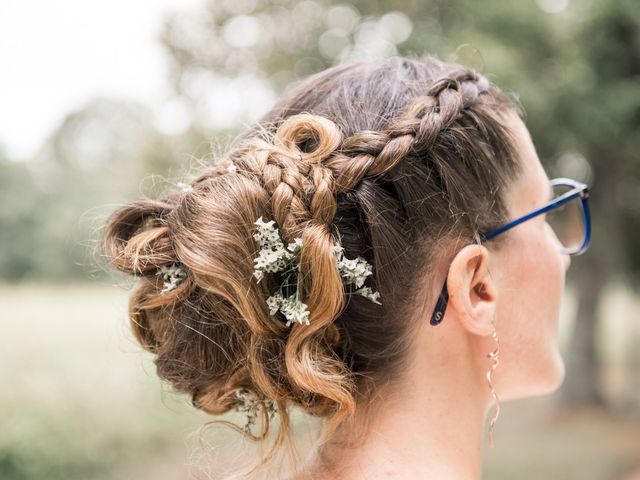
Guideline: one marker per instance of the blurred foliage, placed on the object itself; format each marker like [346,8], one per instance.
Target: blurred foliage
[79,398]
[574,66]
[52,207]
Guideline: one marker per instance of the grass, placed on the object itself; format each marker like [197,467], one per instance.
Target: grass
[79,396]
[535,441]
[80,400]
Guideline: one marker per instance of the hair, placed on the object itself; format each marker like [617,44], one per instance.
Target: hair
[395,160]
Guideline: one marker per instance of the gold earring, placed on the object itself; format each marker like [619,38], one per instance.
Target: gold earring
[493,356]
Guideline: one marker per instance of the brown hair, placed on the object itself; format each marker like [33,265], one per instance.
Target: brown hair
[394,160]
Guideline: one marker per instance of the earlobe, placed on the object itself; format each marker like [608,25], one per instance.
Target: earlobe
[472,291]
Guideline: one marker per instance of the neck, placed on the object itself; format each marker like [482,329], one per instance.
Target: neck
[433,426]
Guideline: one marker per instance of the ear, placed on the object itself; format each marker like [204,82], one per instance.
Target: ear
[472,291]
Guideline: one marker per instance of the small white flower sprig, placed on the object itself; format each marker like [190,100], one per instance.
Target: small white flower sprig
[355,271]
[172,275]
[249,403]
[274,257]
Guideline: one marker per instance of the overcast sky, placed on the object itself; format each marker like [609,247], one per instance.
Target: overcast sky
[57,54]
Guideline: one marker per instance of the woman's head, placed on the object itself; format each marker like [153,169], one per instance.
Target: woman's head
[402,162]
[520,285]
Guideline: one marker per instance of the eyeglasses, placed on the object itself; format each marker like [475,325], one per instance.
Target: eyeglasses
[568,215]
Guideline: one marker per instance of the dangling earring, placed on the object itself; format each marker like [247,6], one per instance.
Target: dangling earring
[493,356]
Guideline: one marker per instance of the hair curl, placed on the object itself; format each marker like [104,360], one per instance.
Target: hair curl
[392,160]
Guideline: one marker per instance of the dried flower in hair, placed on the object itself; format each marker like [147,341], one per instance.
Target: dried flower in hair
[354,271]
[274,257]
[368,293]
[293,309]
[249,403]
[172,276]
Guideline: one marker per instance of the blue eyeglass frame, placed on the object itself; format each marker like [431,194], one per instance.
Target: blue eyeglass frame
[578,189]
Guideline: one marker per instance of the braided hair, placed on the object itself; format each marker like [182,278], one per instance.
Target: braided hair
[394,160]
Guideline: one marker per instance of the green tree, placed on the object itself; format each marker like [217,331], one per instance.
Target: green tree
[52,207]
[19,196]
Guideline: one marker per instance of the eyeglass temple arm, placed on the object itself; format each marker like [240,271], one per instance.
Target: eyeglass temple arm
[438,313]
[583,191]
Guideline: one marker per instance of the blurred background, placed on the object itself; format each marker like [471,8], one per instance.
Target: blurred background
[102,103]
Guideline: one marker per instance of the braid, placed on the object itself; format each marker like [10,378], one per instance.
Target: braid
[369,153]
[307,160]
[289,166]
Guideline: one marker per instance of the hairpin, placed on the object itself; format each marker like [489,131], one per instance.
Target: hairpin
[172,275]
[249,403]
[274,257]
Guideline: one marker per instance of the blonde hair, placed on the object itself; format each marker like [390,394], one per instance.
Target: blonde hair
[391,160]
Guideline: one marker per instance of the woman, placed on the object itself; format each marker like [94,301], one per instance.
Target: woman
[354,256]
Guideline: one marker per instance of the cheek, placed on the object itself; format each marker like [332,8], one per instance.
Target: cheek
[536,277]
[528,322]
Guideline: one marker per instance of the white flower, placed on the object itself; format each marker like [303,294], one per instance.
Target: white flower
[295,310]
[366,292]
[295,246]
[274,302]
[270,261]
[249,403]
[354,271]
[172,276]
[232,169]
[267,235]
[274,257]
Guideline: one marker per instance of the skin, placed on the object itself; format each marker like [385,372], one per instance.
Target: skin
[434,426]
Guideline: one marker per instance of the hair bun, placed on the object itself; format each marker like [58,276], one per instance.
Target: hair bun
[312,136]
